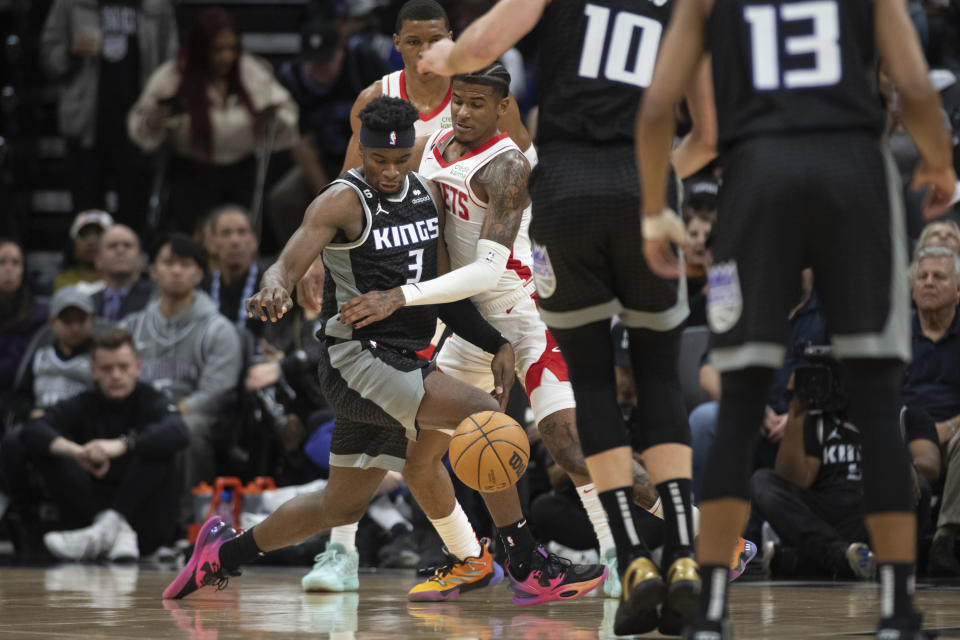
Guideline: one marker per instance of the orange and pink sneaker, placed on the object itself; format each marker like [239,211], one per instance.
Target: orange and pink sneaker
[554,578]
[743,553]
[203,569]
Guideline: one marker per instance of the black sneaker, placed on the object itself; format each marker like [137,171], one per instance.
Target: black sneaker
[903,628]
[683,593]
[401,551]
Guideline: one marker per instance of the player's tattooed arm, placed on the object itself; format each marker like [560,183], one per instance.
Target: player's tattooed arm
[502,183]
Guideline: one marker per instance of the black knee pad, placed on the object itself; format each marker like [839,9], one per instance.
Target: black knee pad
[730,463]
[588,352]
[873,406]
[661,412]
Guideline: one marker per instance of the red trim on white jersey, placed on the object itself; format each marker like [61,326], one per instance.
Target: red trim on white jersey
[486,145]
[433,114]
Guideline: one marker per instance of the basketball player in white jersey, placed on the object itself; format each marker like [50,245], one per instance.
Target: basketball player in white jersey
[483,176]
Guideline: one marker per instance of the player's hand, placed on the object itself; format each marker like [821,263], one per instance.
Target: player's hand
[503,367]
[943,185]
[659,231]
[310,287]
[371,307]
[434,59]
[270,303]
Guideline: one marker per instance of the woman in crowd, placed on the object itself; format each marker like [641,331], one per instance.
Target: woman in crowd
[216,106]
[20,315]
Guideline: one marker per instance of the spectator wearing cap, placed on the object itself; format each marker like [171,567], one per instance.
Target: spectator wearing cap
[223,113]
[933,382]
[189,351]
[102,54]
[107,458]
[324,82]
[699,214]
[59,370]
[20,315]
[120,262]
[81,256]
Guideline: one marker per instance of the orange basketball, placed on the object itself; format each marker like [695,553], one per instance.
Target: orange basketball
[489,451]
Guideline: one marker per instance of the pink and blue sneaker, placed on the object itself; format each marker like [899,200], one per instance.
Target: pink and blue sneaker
[203,569]
[743,553]
[554,578]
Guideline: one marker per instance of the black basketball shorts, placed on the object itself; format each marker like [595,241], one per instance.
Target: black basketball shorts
[375,393]
[829,201]
[587,248]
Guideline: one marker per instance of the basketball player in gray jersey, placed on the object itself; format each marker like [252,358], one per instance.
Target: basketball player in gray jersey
[377,227]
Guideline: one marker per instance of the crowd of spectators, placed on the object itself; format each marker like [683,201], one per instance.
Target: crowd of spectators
[139,375]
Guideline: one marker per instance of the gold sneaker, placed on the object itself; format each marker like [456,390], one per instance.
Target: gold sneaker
[642,591]
[683,592]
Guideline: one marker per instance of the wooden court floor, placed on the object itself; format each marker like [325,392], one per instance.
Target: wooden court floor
[95,601]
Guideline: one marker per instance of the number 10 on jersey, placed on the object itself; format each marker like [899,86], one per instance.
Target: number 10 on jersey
[618,67]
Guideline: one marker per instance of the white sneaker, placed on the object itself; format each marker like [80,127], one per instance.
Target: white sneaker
[334,570]
[88,543]
[611,586]
[125,546]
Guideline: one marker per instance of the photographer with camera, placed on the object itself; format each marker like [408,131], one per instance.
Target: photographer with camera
[813,497]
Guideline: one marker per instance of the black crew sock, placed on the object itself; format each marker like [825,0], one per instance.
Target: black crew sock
[520,546]
[897,584]
[713,596]
[623,526]
[241,549]
[678,519]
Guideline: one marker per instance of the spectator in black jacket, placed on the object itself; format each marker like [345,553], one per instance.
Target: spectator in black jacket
[107,457]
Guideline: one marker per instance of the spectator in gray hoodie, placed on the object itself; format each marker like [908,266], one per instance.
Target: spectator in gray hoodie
[189,351]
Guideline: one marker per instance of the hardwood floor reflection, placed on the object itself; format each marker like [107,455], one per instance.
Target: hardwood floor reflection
[95,601]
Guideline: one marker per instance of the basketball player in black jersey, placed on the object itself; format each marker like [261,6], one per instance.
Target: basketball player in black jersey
[376,227]
[596,58]
[807,182]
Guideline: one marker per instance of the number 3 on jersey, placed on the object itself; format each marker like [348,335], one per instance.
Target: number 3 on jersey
[619,68]
[822,42]
[416,265]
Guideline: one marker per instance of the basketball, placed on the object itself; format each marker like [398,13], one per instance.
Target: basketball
[489,451]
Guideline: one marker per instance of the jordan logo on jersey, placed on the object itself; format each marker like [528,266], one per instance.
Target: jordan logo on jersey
[403,235]
[380,209]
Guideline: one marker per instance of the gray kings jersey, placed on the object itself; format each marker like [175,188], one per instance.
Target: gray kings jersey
[398,246]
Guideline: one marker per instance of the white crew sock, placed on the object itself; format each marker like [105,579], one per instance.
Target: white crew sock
[385,514]
[598,517]
[657,509]
[457,534]
[345,534]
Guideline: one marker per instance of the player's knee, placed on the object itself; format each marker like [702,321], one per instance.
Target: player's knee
[559,433]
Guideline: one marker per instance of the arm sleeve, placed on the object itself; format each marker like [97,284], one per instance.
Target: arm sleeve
[220,373]
[480,275]
[464,319]
[62,419]
[162,431]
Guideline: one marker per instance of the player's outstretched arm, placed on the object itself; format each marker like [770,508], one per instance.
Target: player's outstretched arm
[485,39]
[682,49]
[903,59]
[329,212]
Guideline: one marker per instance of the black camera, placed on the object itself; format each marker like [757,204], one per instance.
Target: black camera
[817,381]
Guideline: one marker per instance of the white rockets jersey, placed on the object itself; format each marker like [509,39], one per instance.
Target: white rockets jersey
[394,85]
[465,215]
